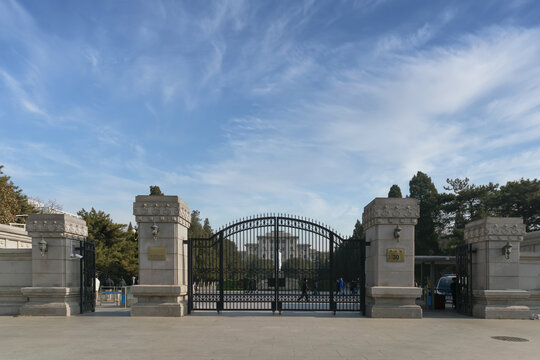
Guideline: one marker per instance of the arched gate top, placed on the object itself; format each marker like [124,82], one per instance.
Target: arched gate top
[281,220]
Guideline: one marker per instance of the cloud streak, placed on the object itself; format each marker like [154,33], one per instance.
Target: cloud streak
[241,107]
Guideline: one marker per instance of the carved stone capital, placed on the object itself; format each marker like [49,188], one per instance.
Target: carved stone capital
[492,228]
[161,209]
[389,211]
[56,225]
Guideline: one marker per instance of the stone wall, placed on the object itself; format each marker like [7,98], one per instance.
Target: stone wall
[529,269]
[12,237]
[15,273]
[531,242]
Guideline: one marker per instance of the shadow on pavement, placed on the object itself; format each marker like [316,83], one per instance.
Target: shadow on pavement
[109,311]
[313,314]
[444,314]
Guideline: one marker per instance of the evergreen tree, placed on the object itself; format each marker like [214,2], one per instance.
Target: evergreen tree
[465,203]
[205,256]
[207,229]
[195,229]
[521,198]
[12,201]
[348,255]
[155,190]
[395,192]
[426,240]
[116,249]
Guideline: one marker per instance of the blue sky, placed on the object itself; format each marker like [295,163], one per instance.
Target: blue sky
[243,107]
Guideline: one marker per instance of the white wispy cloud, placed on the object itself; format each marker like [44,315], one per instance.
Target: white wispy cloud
[20,95]
[376,127]
[305,112]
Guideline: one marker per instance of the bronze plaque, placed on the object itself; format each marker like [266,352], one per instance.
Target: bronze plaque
[157,254]
[395,255]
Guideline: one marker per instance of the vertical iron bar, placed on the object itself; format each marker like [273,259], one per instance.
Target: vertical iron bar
[93,252]
[422,281]
[469,280]
[276,261]
[332,305]
[81,280]
[362,284]
[221,304]
[190,275]
[432,283]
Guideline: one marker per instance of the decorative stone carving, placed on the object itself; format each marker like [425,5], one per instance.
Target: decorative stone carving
[501,229]
[62,224]
[391,211]
[152,208]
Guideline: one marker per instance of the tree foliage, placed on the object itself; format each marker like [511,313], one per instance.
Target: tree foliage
[520,198]
[299,268]
[443,216]
[347,257]
[425,236]
[155,190]
[395,192]
[12,201]
[116,249]
[206,252]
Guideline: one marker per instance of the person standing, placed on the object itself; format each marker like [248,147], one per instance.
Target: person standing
[304,290]
[98,284]
[316,288]
[109,287]
[341,285]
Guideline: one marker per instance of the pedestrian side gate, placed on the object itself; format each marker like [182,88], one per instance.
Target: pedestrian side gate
[464,254]
[88,275]
[276,263]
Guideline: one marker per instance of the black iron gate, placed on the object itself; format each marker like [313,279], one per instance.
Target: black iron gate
[277,263]
[88,275]
[464,279]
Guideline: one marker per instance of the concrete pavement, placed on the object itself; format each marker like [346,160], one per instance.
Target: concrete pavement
[111,334]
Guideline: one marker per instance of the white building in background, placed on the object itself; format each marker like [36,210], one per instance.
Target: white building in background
[289,247]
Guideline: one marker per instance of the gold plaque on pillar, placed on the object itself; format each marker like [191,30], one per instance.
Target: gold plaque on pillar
[157,254]
[395,255]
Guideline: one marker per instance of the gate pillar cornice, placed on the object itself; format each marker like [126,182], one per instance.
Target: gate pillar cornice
[163,223]
[495,273]
[390,290]
[55,289]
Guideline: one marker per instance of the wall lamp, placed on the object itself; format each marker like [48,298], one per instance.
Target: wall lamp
[155,230]
[397,232]
[43,247]
[507,250]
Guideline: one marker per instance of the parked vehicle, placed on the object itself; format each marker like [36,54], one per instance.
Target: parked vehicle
[443,286]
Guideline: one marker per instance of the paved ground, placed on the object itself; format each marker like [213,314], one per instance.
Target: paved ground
[110,334]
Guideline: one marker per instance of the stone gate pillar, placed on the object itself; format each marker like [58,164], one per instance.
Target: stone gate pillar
[55,286]
[390,291]
[495,274]
[163,263]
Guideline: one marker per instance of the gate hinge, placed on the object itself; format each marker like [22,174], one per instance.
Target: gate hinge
[186,242]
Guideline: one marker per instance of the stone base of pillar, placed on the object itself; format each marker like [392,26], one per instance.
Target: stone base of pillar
[51,301]
[500,304]
[393,302]
[11,300]
[160,300]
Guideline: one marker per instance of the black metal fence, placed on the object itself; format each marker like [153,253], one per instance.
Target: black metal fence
[464,279]
[88,275]
[276,263]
